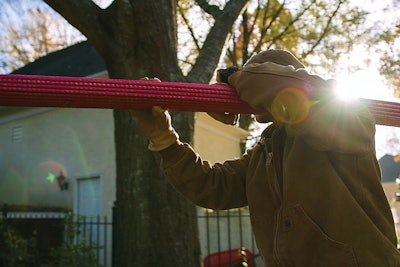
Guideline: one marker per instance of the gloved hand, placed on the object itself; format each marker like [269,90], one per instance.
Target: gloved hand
[223,74]
[156,125]
[225,118]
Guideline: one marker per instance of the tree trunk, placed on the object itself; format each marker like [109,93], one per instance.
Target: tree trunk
[159,227]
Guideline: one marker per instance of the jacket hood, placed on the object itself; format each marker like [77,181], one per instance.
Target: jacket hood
[278,56]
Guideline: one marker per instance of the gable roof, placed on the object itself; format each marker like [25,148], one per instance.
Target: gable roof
[79,60]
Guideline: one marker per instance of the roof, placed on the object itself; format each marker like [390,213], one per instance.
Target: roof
[79,60]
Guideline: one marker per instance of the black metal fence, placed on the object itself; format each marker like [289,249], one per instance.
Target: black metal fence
[226,237]
[94,233]
[32,238]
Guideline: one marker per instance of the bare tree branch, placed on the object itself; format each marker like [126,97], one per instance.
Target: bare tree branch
[190,29]
[215,42]
[213,10]
[286,29]
[325,31]
[82,14]
[265,30]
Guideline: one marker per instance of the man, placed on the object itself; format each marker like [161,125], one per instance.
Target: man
[312,183]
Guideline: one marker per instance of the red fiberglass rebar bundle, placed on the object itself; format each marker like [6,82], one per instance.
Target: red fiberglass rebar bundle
[73,92]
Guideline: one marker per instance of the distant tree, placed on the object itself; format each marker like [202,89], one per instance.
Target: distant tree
[384,40]
[35,33]
[317,32]
[390,60]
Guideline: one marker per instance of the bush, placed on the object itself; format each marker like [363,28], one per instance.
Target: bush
[16,250]
[80,253]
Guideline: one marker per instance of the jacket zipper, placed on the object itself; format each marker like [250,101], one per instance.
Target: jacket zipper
[277,167]
[271,152]
[279,212]
[277,228]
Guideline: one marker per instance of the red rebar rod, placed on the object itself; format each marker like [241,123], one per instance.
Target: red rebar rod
[76,92]
[73,92]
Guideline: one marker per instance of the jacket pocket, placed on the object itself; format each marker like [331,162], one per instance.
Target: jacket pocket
[305,244]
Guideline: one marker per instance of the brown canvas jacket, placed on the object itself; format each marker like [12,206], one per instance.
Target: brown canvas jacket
[313,188]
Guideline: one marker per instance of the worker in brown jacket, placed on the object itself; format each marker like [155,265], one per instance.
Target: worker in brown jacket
[312,183]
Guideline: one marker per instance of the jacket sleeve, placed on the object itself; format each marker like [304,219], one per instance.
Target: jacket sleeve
[221,186]
[307,106]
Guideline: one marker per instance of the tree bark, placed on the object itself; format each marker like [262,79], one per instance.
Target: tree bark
[156,226]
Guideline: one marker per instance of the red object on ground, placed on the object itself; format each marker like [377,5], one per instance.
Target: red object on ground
[76,92]
[230,258]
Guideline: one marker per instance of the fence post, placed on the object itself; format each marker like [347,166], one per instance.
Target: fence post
[114,233]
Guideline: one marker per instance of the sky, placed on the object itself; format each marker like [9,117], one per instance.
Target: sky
[367,82]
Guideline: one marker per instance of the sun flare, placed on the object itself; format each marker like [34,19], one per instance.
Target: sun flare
[363,84]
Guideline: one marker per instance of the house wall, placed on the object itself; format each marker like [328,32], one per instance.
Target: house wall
[37,144]
[390,189]
[215,141]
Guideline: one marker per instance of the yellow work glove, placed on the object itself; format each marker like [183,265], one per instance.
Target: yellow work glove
[156,125]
